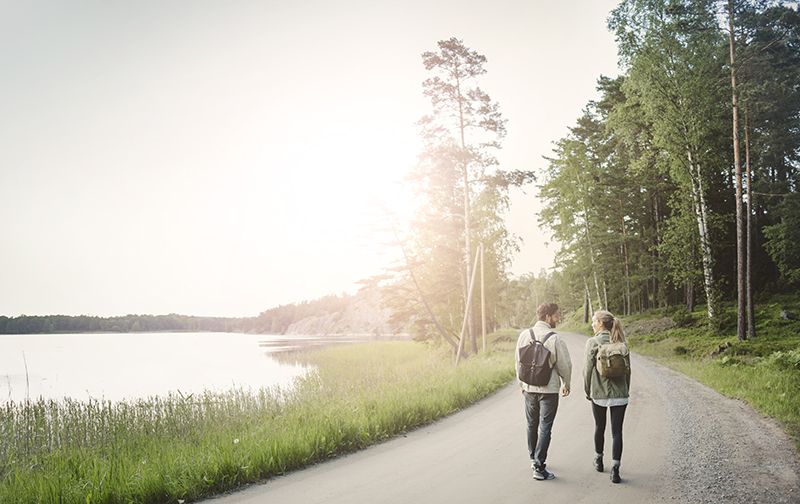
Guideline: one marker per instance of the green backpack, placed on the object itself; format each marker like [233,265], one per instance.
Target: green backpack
[613,360]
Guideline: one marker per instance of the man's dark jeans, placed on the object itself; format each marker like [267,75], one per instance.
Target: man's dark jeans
[540,410]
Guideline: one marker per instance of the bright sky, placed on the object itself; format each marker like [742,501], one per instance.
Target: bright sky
[216,158]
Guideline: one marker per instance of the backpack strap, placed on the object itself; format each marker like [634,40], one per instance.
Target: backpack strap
[533,336]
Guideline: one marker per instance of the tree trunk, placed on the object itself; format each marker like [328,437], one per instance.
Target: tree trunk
[586,308]
[688,294]
[701,211]
[627,267]
[657,214]
[751,319]
[469,313]
[435,321]
[589,243]
[588,297]
[741,335]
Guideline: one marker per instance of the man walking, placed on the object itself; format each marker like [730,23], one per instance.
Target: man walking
[541,402]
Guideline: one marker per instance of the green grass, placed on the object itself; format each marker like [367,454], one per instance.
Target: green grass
[763,371]
[178,449]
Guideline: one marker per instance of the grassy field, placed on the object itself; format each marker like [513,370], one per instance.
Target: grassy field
[177,449]
[763,371]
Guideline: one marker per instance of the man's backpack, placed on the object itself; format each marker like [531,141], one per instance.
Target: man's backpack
[613,359]
[534,362]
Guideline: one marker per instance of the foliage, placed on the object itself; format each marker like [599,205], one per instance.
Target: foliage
[640,193]
[25,324]
[783,240]
[461,196]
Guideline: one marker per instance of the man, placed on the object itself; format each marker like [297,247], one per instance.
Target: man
[541,402]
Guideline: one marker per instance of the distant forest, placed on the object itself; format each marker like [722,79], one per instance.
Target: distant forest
[273,321]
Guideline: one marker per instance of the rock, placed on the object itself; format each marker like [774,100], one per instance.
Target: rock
[721,348]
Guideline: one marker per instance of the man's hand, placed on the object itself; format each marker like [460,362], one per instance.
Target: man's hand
[564,392]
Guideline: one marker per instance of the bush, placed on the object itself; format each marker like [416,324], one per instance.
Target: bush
[728,361]
[784,360]
[723,322]
[682,317]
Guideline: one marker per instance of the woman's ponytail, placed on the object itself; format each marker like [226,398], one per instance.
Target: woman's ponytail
[617,334]
[612,324]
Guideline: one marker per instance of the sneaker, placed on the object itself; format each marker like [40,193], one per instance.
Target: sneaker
[542,474]
[598,463]
[615,474]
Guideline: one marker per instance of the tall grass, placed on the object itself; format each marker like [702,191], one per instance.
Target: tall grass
[179,448]
[769,388]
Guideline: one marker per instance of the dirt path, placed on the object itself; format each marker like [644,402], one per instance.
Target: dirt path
[683,443]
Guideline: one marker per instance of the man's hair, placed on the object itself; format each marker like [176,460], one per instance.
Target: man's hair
[545,310]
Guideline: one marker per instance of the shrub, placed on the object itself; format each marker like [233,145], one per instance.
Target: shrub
[728,361]
[682,317]
[784,360]
[723,322]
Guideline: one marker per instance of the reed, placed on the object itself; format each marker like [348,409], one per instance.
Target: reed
[181,448]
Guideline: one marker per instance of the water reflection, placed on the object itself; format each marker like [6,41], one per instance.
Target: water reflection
[137,365]
[275,344]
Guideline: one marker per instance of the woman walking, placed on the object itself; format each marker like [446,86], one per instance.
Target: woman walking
[606,392]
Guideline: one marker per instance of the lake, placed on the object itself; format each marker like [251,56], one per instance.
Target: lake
[139,365]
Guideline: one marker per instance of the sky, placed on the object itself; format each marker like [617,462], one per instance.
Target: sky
[219,158]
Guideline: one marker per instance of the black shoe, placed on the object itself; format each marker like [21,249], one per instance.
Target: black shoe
[615,474]
[598,463]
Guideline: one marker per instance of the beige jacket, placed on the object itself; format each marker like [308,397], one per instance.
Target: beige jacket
[560,361]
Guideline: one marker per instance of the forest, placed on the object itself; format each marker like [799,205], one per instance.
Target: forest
[677,189]
[51,324]
[679,186]
[272,321]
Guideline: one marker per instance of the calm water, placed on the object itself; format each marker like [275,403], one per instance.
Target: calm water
[128,366]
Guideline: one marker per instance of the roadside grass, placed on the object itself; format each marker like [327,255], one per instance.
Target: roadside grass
[179,448]
[763,371]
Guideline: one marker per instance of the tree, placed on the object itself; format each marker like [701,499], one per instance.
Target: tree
[741,272]
[767,65]
[457,168]
[671,51]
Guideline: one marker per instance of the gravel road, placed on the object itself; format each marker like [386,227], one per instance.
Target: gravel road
[720,449]
[683,443]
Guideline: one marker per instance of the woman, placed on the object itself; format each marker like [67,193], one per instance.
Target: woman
[606,393]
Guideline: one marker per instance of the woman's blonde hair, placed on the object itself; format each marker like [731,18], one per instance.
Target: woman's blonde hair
[610,323]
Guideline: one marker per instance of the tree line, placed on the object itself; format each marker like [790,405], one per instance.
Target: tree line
[51,324]
[679,186]
[272,321]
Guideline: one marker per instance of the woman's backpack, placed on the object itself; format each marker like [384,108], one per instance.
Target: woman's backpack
[613,359]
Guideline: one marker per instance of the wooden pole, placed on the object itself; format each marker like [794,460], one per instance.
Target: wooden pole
[466,311]
[483,301]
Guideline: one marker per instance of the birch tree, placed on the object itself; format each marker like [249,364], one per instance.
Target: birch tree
[670,52]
